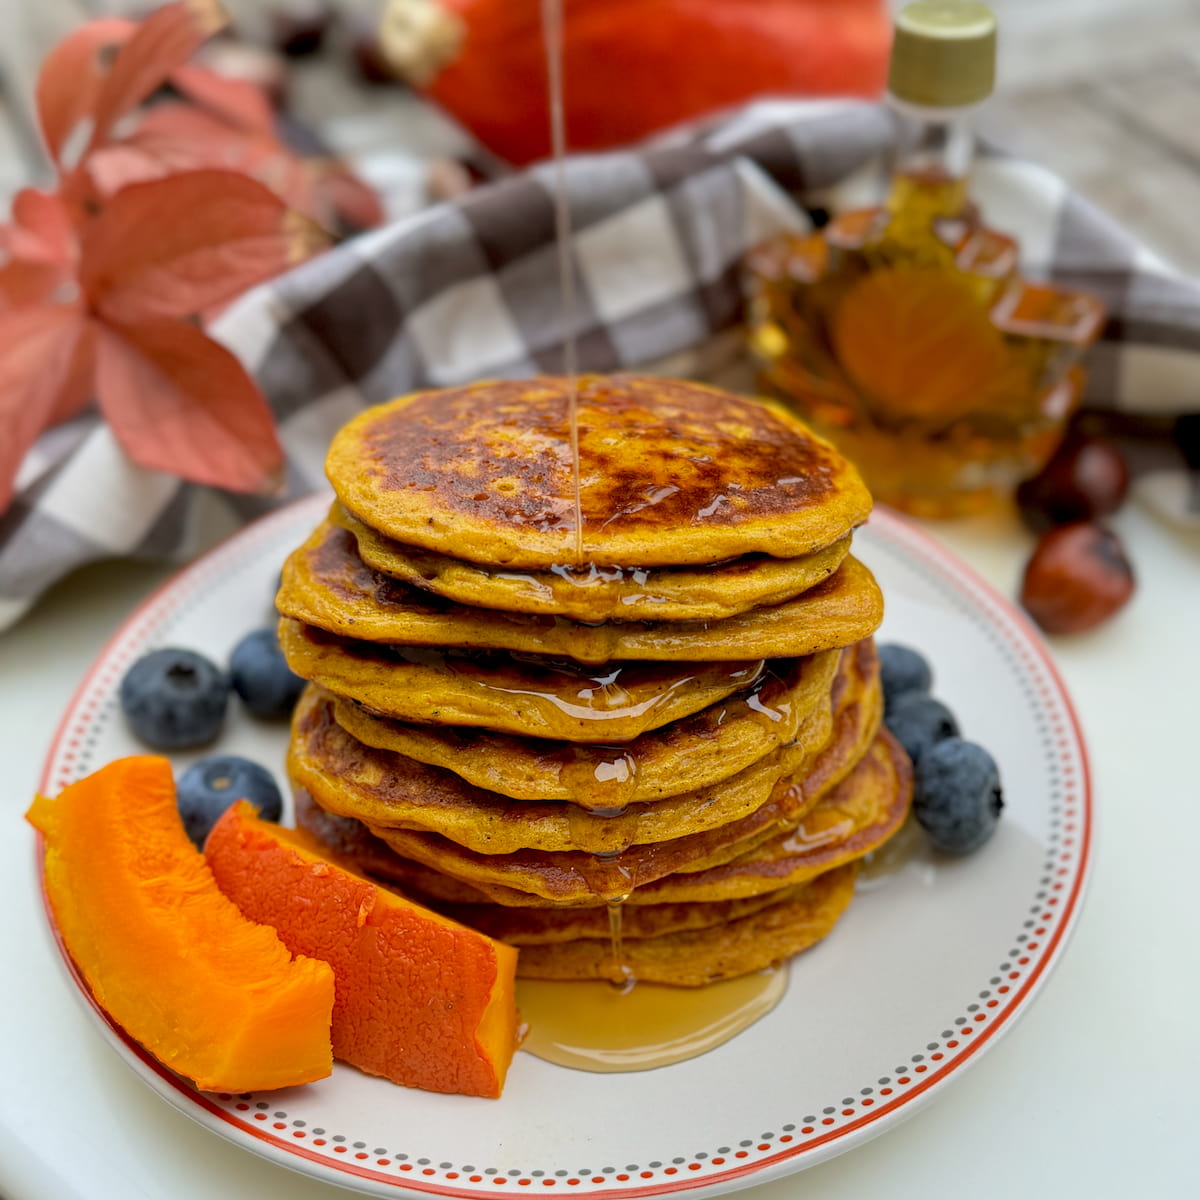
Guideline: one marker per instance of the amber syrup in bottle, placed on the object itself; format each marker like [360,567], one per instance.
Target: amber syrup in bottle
[905,333]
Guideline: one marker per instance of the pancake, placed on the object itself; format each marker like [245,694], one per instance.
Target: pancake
[390,791]
[536,691]
[551,926]
[575,877]
[545,935]
[694,957]
[349,839]
[855,818]
[671,473]
[857,814]
[704,593]
[687,755]
[539,697]
[326,585]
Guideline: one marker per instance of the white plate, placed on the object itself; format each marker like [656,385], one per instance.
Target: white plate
[925,971]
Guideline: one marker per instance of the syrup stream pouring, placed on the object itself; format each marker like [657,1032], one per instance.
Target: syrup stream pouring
[552,35]
[618,1025]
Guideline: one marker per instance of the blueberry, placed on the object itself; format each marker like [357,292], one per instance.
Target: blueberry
[957,798]
[901,671]
[174,698]
[267,685]
[918,721]
[207,788]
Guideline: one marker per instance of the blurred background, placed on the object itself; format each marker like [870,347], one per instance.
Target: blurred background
[1105,92]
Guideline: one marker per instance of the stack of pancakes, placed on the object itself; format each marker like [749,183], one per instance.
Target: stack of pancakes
[644,743]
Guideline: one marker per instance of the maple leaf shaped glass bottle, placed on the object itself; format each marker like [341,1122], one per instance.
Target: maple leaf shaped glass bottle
[905,333]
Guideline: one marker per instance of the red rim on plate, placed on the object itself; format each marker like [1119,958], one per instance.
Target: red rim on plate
[271,1128]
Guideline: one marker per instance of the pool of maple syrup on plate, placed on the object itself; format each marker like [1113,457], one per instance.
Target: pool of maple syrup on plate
[604,1027]
[620,1024]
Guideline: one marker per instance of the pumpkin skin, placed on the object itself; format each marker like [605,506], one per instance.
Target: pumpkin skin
[421,1000]
[209,993]
[631,67]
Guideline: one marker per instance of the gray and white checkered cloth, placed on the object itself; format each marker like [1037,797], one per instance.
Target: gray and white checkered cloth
[470,289]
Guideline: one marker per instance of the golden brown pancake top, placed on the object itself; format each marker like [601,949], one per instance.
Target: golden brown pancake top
[671,472]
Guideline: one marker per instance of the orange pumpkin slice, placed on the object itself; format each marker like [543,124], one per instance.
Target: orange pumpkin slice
[421,1000]
[208,992]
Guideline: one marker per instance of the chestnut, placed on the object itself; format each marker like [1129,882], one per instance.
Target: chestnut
[1087,478]
[298,28]
[367,55]
[1077,578]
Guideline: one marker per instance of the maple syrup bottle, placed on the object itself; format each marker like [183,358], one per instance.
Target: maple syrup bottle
[905,333]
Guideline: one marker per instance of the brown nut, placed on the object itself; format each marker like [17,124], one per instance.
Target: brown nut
[1087,478]
[370,62]
[298,28]
[1077,578]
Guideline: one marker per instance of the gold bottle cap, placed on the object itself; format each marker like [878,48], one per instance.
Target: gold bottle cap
[944,53]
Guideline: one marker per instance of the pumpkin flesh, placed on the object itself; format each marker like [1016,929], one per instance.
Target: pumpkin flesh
[421,1000]
[211,994]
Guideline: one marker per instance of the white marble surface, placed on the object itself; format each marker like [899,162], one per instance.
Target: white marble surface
[1092,1094]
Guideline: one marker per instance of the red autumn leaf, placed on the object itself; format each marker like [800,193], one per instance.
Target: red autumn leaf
[181,137]
[45,377]
[41,229]
[173,137]
[164,41]
[111,168]
[179,245]
[178,137]
[235,101]
[23,284]
[191,141]
[170,211]
[179,402]
[40,250]
[76,70]
[72,76]
[43,216]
